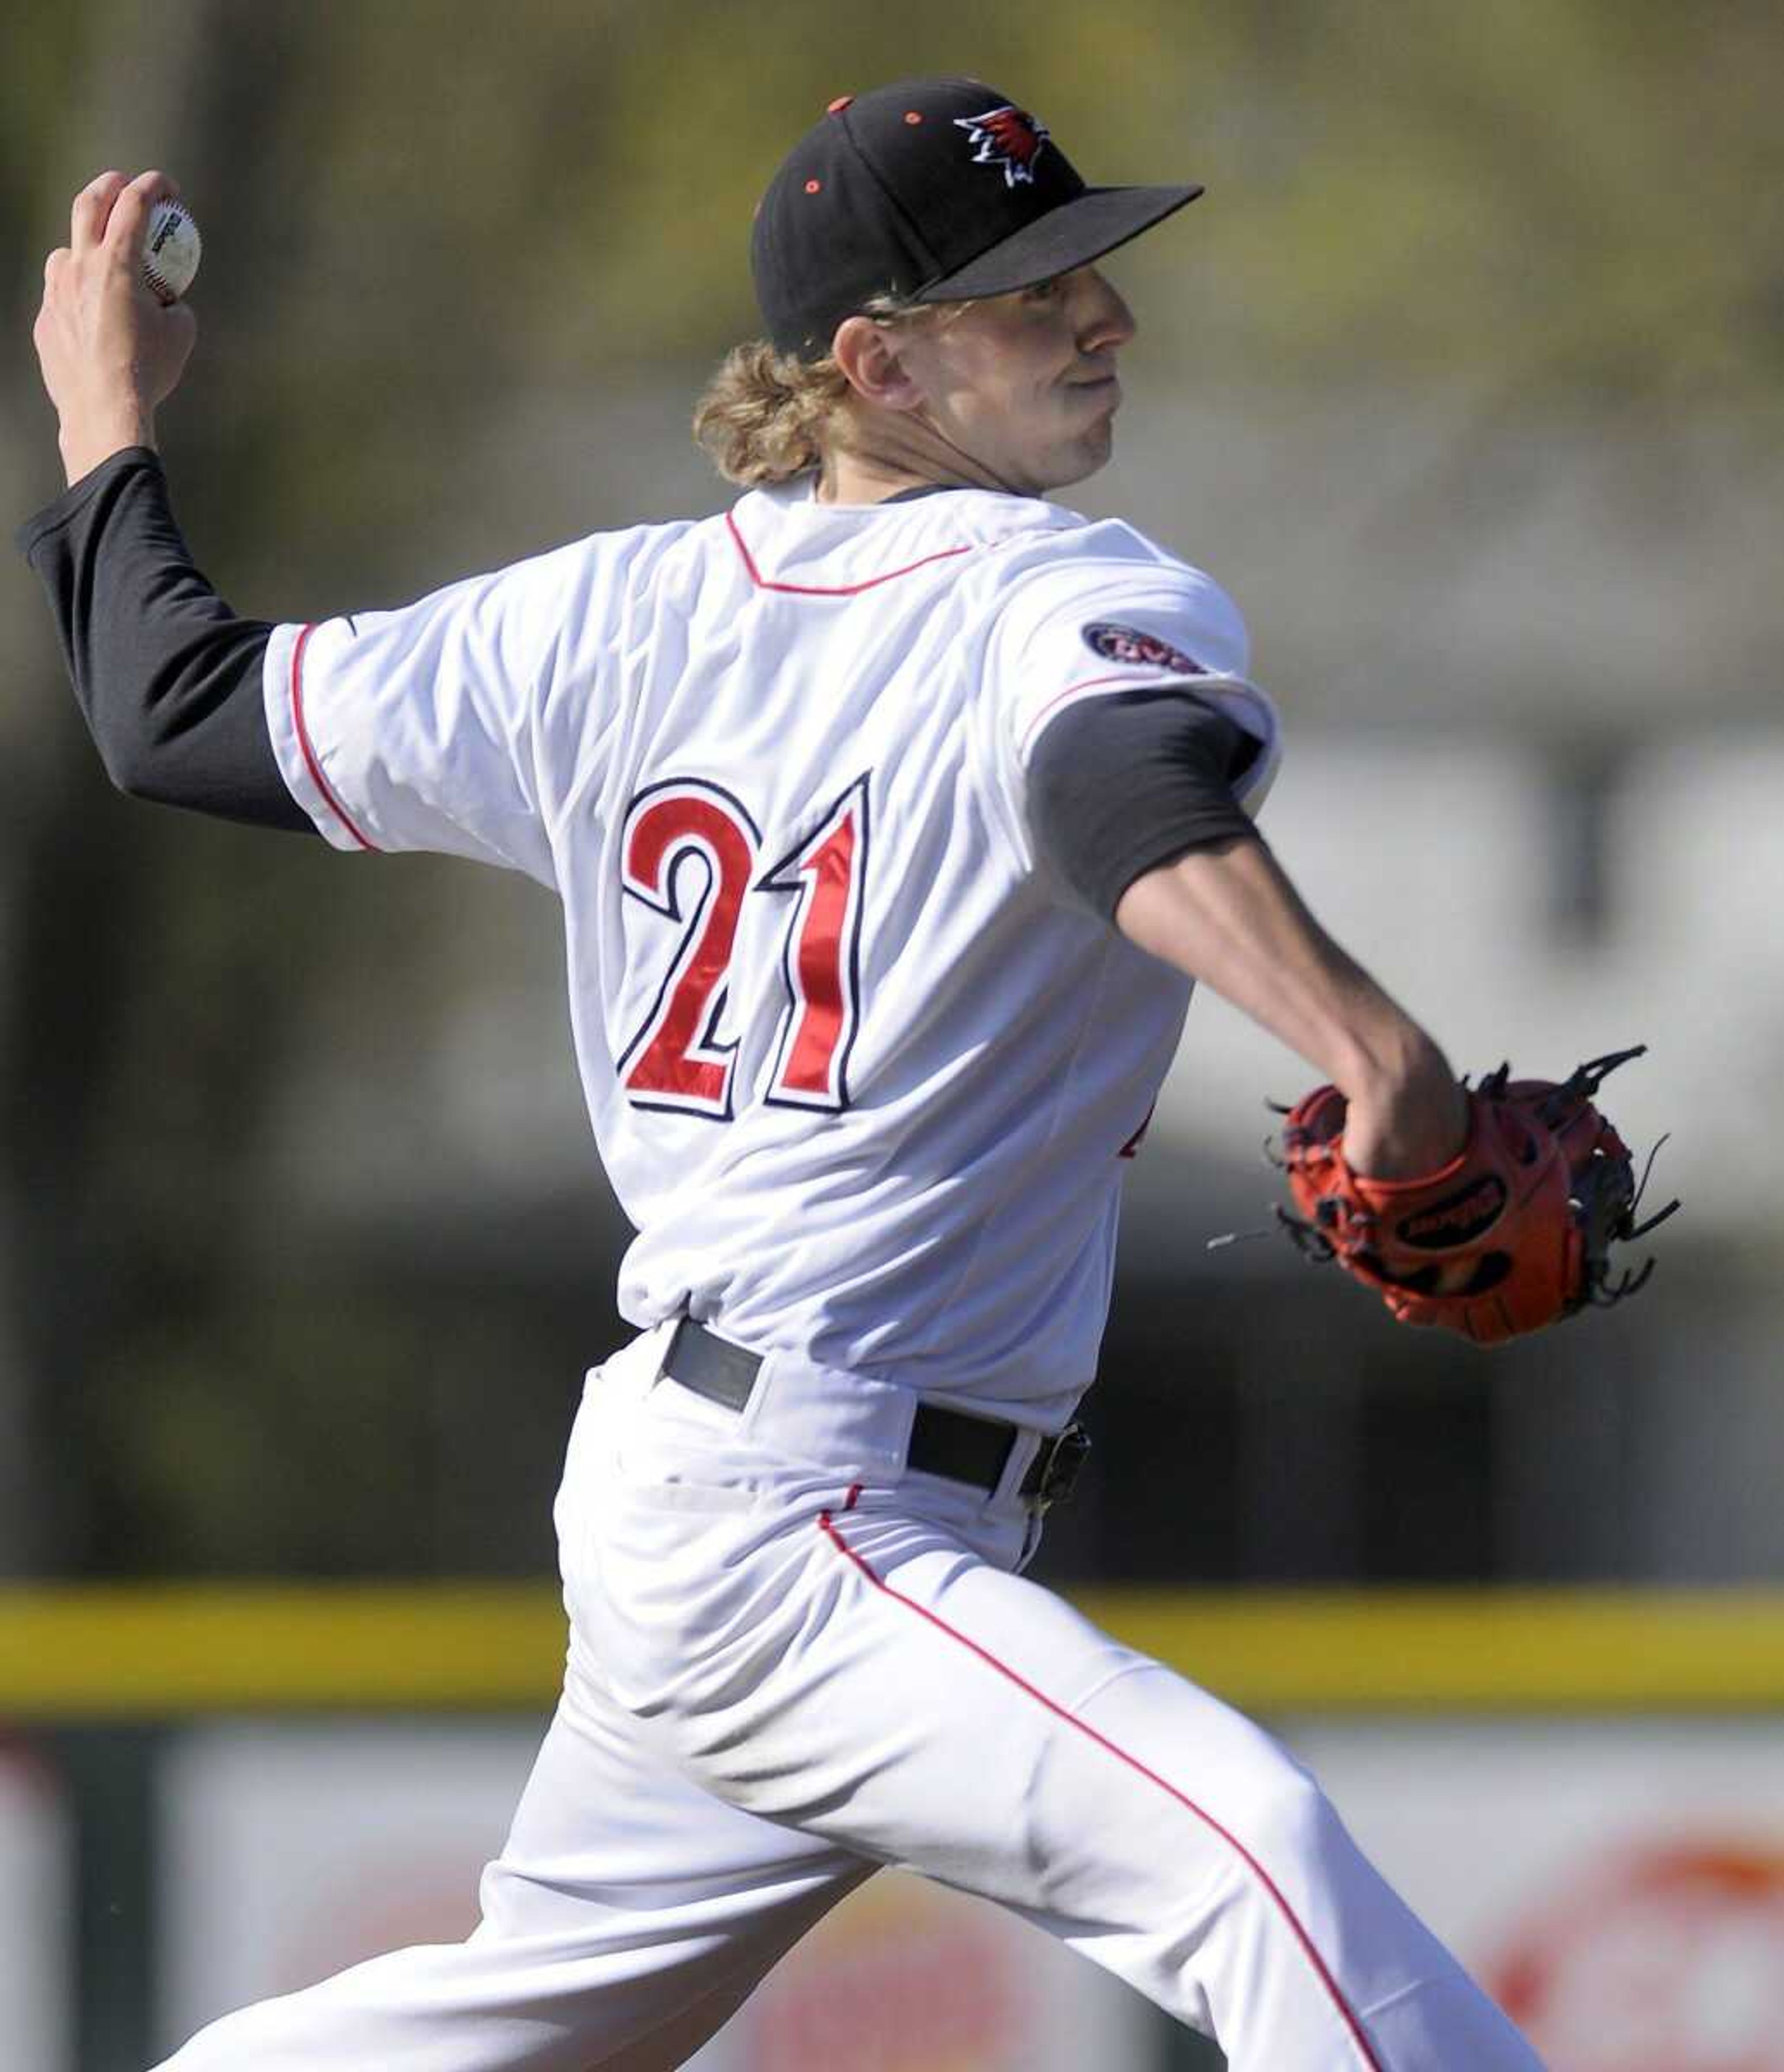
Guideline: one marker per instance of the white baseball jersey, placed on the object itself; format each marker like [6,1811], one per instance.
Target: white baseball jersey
[861,1072]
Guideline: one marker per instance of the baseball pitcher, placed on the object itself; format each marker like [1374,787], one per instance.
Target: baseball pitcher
[893,811]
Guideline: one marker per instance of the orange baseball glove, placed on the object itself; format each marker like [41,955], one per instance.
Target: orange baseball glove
[1513,1233]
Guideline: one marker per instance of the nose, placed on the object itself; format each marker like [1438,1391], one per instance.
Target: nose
[1104,319]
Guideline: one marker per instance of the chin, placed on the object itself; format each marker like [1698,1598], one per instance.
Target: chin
[1081,459]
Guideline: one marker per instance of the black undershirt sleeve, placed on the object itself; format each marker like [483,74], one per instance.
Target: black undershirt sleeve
[1119,785]
[167,677]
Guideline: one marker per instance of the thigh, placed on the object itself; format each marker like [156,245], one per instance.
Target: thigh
[627,1916]
[859,1663]
[965,1723]
[934,1710]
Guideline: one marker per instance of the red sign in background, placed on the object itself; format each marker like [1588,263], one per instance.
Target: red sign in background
[1669,1958]
[897,1981]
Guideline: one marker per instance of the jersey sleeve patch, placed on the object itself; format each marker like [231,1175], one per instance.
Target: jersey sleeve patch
[1116,643]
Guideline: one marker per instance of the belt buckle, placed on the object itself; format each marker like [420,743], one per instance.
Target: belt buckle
[1056,1468]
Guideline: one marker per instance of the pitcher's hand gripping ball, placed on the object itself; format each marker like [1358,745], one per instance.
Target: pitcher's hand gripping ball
[1515,1233]
[170,250]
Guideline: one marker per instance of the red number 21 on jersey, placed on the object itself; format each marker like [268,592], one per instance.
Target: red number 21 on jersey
[687,829]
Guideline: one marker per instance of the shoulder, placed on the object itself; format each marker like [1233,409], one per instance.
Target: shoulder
[632,547]
[566,597]
[1103,586]
[548,579]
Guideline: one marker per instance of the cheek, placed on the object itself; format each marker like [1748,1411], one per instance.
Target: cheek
[988,395]
[1020,383]
[1049,368]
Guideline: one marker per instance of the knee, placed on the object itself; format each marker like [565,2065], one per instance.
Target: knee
[1288,1819]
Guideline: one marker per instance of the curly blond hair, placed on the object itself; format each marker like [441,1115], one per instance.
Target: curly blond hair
[768,416]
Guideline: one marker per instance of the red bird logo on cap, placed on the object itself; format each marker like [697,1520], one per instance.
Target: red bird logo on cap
[1007,136]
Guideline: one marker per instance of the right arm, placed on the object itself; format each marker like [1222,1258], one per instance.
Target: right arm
[111,354]
[167,677]
[456,724]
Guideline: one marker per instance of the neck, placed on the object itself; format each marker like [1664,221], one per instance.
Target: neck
[899,450]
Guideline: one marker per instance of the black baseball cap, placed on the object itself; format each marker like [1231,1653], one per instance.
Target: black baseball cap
[935,191]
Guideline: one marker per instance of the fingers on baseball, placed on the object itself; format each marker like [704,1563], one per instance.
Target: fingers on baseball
[127,226]
[92,206]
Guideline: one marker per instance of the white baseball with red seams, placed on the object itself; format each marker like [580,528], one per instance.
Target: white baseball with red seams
[862,1078]
[170,250]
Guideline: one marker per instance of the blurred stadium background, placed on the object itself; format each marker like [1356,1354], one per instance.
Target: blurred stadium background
[1465,378]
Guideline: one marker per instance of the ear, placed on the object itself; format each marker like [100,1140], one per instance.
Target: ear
[871,358]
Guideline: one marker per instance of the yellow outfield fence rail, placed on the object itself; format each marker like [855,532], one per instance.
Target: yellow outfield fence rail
[148,1651]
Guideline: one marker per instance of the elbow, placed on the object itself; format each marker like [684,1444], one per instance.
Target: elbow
[138,731]
[120,737]
[129,761]
[137,764]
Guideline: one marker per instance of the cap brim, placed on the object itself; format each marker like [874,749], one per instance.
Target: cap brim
[1070,235]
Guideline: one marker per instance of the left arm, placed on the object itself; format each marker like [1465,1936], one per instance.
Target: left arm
[1227,913]
[1132,801]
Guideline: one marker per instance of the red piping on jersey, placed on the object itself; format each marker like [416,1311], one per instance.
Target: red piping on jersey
[310,761]
[1365,2049]
[820,589]
[1058,698]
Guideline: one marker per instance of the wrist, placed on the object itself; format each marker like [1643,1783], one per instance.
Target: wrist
[1407,1114]
[1404,1065]
[87,442]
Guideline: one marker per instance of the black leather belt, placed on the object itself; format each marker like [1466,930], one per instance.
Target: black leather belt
[949,1443]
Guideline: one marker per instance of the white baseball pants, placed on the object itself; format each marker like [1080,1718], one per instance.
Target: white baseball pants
[792,1663]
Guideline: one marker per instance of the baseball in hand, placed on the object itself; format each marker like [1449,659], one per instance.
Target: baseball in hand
[170,252]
